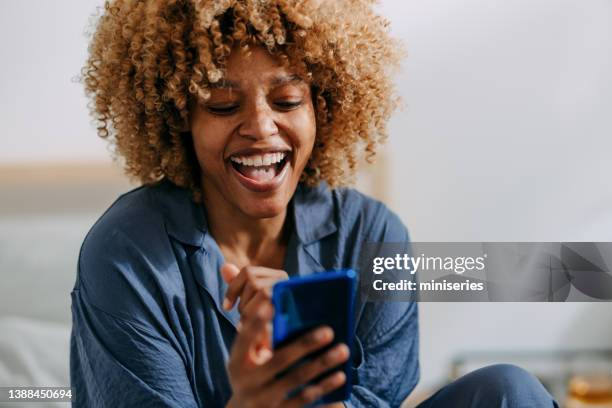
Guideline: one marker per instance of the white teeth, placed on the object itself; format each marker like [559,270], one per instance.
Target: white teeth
[259,159]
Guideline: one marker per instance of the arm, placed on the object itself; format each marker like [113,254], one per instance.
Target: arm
[118,363]
[123,353]
[387,334]
[389,369]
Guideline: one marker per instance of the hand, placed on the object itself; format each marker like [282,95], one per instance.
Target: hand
[245,283]
[253,368]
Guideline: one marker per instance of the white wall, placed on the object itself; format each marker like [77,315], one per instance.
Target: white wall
[43,113]
[506,136]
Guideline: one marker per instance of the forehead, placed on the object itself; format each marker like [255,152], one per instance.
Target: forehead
[256,65]
[255,56]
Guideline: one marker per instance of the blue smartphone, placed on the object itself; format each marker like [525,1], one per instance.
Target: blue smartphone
[304,303]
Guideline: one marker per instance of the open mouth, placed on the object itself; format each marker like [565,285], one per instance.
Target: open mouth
[261,168]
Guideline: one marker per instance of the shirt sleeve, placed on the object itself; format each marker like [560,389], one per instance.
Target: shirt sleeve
[119,356]
[117,363]
[389,368]
[387,339]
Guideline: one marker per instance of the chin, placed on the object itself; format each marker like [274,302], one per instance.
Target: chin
[264,208]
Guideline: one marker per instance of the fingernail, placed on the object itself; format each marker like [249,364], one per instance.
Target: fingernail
[227,304]
[322,334]
[338,352]
[312,393]
[334,355]
[339,377]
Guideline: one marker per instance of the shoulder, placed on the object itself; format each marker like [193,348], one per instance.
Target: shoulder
[133,216]
[127,249]
[147,213]
[379,222]
[355,214]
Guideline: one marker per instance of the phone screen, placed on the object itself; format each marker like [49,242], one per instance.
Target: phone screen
[304,303]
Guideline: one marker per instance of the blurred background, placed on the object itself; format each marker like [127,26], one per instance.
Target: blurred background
[506,135]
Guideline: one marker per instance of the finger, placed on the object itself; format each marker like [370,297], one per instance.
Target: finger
[313,392]
[251,331]
[263,285]
[251,276]
[261,352]
[229,271]
[289,354]
[248,293]
[268,336]
[310,370]
[234,289]
[252,306]
[265,337]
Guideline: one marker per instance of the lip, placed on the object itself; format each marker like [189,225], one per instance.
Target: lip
[263,186]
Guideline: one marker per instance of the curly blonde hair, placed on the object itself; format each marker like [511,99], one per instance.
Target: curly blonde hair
[150,59]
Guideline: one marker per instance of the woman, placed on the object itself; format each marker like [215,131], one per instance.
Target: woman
[241,118]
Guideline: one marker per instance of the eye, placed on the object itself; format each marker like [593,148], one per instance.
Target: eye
[222,110]
[287,105]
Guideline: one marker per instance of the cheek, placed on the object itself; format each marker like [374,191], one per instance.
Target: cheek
[305,130]
[208,142]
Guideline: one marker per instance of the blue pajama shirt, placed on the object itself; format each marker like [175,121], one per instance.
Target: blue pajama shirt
[148,326]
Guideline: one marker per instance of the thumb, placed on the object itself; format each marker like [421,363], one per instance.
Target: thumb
[229,271]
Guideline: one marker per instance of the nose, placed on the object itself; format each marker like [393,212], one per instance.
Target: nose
[258,122]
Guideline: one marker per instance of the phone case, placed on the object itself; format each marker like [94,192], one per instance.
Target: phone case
[303,303]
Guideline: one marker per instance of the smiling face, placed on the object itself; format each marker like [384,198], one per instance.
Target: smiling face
[254,135]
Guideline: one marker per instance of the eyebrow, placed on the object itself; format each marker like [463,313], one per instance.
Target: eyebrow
[285,79]
[276,81]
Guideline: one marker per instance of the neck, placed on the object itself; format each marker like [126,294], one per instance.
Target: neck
[244,240]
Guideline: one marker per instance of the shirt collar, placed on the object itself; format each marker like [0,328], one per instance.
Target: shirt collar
[312,209]
[185,220]
[313,212]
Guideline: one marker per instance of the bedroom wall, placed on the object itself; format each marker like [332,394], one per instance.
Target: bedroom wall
[504,137]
